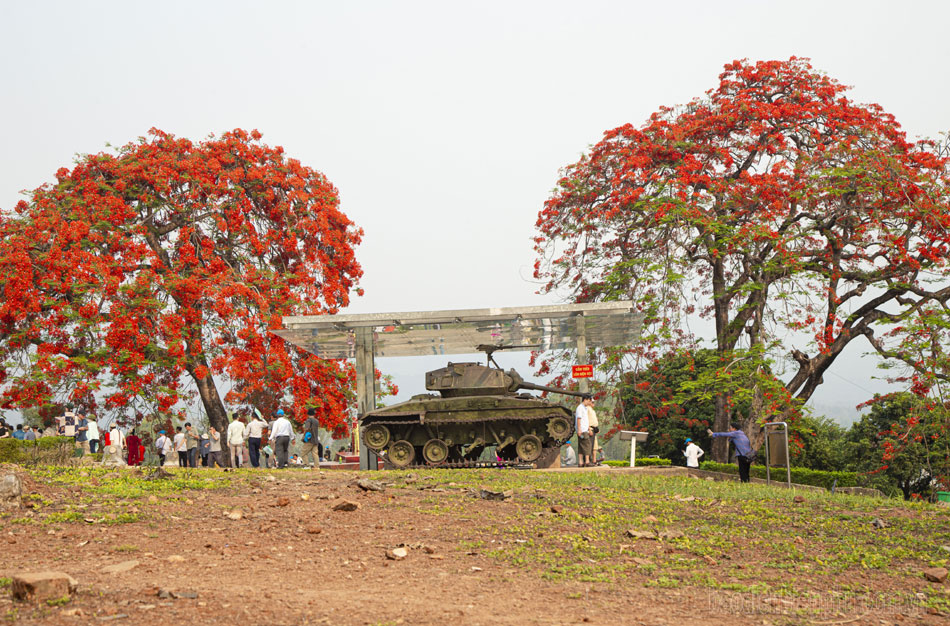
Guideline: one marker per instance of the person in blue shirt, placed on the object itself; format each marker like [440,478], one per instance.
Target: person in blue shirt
[18,433]
[743,449]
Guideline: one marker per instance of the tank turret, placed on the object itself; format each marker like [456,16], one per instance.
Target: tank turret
[475,379]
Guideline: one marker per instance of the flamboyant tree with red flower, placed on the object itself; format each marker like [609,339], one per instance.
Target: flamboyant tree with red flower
[774,206]
[673,399]
[155,271]
[903,444]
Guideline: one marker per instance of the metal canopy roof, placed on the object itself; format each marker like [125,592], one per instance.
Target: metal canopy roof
[461,331]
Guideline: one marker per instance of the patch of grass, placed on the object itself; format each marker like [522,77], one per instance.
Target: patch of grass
[58,601]
[125,548]
[128,484]
[64,517]
[37,499]
[5,582]
[743,538]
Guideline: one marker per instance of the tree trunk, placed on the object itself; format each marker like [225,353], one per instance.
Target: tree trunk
[720,446]
[214,408]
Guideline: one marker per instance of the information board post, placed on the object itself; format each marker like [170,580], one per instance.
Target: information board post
[634,436]
[776,450]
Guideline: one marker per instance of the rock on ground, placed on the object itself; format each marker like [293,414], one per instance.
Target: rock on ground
[39,586]
[346,505]
[488,494]
[369,485]
[936,574]
[11,488]
[397,554]
[118,568]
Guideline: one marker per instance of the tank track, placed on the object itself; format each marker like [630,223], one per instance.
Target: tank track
[559,442]
[466,464]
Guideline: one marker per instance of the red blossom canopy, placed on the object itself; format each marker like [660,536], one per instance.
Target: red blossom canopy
[171,258]
[773,205]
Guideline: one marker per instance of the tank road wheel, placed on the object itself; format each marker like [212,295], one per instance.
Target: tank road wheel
[559,428]
[401,454]
[528,448]
[376,436]
[435,452]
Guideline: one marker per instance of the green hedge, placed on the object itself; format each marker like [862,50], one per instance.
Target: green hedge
[43,451]
[641,462]
[800,475]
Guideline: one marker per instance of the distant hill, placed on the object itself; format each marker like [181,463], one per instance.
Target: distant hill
[843,414]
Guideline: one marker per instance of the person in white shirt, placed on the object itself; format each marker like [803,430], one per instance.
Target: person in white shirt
[92,434]
[181,448]
[594,429]
[584,433]
[568,457]
[254,433]
[236,441]
[112,454]
[281,435]
[692,453]
[164,447]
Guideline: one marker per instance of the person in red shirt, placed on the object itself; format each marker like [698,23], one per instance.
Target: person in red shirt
[135,448]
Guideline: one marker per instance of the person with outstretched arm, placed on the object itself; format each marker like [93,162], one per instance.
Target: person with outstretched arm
[743,449]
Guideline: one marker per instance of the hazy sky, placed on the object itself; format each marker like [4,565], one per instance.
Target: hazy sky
[443,124]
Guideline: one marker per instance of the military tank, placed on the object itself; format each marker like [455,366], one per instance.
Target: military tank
[476,406]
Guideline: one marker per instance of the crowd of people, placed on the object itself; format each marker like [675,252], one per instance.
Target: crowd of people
[85,432]
[28,433]
[248,440]
[246,443]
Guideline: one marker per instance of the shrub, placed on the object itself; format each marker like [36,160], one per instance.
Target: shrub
[800,475]
[43,451]
[641,462]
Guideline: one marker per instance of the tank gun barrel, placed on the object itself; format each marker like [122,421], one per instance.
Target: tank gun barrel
[566,392]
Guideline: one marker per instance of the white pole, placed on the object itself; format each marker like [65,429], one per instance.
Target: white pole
[633,451]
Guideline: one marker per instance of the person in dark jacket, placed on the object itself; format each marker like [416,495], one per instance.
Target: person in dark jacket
[743,449]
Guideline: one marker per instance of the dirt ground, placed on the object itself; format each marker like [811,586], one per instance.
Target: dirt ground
[289,558]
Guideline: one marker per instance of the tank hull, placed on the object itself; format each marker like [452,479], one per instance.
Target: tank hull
[435,430]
